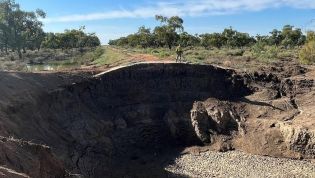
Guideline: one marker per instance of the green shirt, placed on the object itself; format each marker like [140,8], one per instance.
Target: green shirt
[179,49]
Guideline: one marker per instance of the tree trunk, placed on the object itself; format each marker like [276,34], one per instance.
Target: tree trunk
[19,53]
[6,49]
[169,46]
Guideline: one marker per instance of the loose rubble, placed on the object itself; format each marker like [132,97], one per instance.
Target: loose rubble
[239,164]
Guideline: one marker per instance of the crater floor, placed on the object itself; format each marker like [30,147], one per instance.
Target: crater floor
[239,164]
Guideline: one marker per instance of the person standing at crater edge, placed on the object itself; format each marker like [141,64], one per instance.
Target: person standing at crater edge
[179,52]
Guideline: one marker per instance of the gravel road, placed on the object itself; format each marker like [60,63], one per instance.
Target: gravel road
[238,164]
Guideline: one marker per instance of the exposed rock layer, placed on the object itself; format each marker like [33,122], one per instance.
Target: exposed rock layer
[24,159]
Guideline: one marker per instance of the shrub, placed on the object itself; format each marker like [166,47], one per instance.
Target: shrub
[307,53]
[271,53]
[164,54]
[155,51]
[202,57]
[98,53]
[289,53]
[264,52]
[235,52]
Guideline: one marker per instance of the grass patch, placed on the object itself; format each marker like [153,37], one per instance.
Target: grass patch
[76,61]
[109,56]
[263,52]
[162,53]
[157,52]
[307,53]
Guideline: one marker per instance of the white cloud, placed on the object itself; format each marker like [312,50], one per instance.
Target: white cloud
[187,8]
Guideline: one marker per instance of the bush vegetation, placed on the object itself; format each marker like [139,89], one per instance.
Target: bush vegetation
[70,39]
[171,32]
[22,30]
[307,53]
[284,43]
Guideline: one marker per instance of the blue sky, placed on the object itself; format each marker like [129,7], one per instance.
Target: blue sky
[111,19]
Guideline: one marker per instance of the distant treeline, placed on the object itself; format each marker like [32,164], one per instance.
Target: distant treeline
[21,30]
[171,33]
[70,39]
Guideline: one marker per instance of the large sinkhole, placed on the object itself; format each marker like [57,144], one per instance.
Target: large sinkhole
[98,125]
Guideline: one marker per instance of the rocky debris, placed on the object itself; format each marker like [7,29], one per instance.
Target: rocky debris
[280,111]
[299,139]
[201,122]
[214,117]
[25,159]
[265,77]
[9,173]
[224,114]
[239,164]
[284,69]
[294,86]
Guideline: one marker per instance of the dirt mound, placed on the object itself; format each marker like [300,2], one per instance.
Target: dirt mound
[25,159]
[144,113]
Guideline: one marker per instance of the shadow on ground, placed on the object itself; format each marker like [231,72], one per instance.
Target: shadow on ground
[151,165]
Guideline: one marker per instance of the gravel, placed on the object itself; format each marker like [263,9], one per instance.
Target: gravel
[239,164]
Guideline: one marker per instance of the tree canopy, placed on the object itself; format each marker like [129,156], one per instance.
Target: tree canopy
[171,32]
[21,30]
[70,39]
[166,34]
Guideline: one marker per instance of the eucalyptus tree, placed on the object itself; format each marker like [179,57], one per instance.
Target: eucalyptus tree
[19,29]
[166,33]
